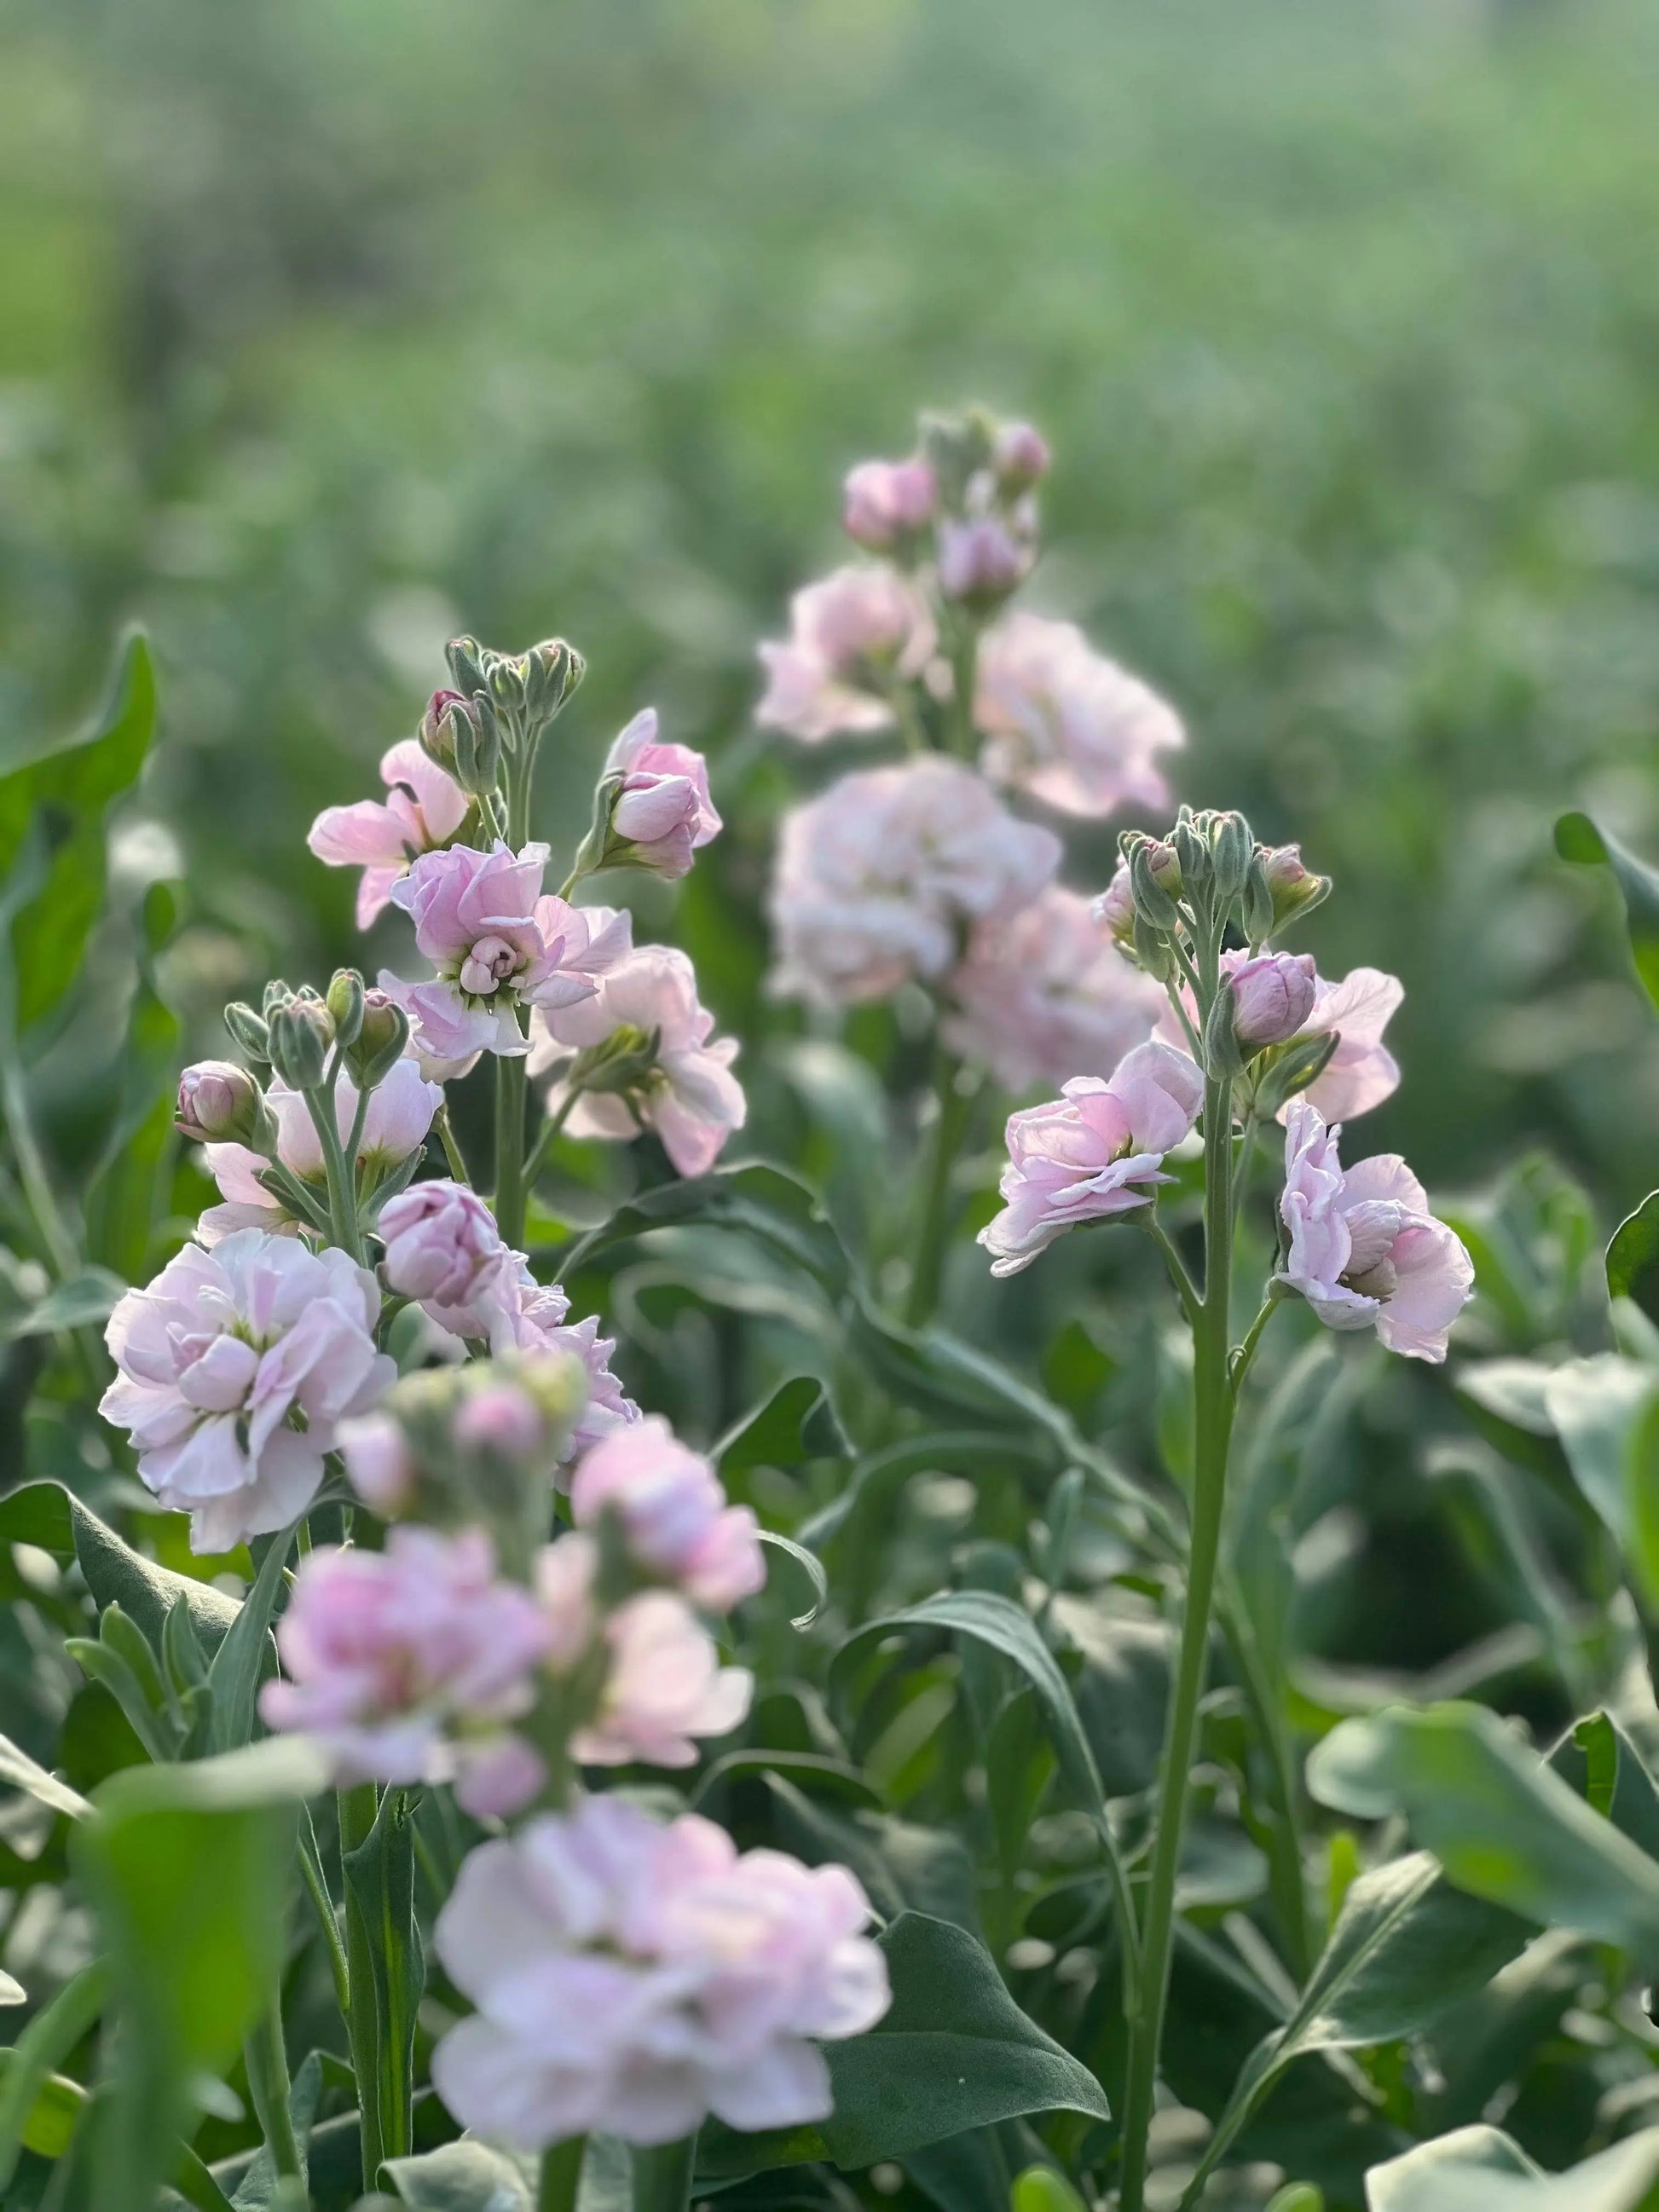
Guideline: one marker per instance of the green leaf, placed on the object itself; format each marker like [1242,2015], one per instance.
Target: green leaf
[1577,838]
[379,1899]
[1121,1691]
[48,1516]
[462,2177]
[813,1567]
[50,2119]
[1633,1257]
[233,1677]
[796,1423]
[1502,1825]
[1481,2170]
[1601,1761]
[19,1772]
[1606,1412]
[954,2052]
[766,1201]
[85,1297]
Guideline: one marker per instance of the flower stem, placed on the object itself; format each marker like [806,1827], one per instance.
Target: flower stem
[544,1142]
[451,1144]
[511,1188]
[342,1180]
[560,2175]
[662,2175]
[357,1809]
[1213,1408]
[953,1109]
[268,2082]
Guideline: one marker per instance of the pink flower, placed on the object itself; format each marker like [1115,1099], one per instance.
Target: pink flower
[498,944]
[401,1110]
[1361,1071]
[378,1463]
[879,879]
[636,1977]
[443,1248]
[216,1099]
[530,1317]
[884,502]
[390,1655]
[687,1094]
[674,1512]
[1094,1152]
[236,1366]
[434,1066]
[852,636]
[1274,995]
[665,1687]
[1066,724]
[1043,994]
[425,809]
[663,812]
[981,558]
[1020,456]
[1364,1251]
[1115,908]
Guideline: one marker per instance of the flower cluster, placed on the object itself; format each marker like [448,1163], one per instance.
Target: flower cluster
[636,1977]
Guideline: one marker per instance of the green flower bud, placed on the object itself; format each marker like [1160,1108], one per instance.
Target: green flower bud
[555,671]
[380,1041]
[465,657]
[1231,850]
[1223,1056]
[300,1033]
[474,730]
[248,1029]
[1289,1068]
[1153,904]
[1294,888]
[1258,901]
[277,993]
[345,1004]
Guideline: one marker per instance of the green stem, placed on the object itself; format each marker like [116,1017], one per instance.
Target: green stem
[952,1110]
[39,2050]
[451,1144]
[342,1181]
[560,2175]
[357,1808]
[964,674]
[1214,1409]
[1246,1162]
[510,1189]
[310,1868]
[272,2090]
[1186,1289]
[545,1143]
[1184,1019]
[662,2175]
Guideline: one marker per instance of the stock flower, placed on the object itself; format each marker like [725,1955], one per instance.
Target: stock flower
[1115,908]
[663,812]
[404,1664]
[1066,724]
[1044,994]
[498,944]
[1020,456]
[235,1366]
[534,1317]
[852,636]
[884,502]
[1361,1071]
[1274,994]
[216,1100]
[399,1113]
[685,1092]
[1095,1151]
[982,558]
[879,879]
[423,810]
[674,1512]
[1364,1251]
[637,1977]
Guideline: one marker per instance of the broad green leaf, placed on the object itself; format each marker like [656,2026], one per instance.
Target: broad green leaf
[1121,1691]
[52,2117]
[462,2177]
[19,1772]
[1577,838]
[766,1201]
[1606,1412]
[381,1927]
[1633,1257]
[1481,2170]
[953,2051]
[233,1677]
[85,1297]
[796,1423]
[48,1516]
[1599,1759]
[1502,1825]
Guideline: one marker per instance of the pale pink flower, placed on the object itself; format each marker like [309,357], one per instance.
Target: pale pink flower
[1361,1071]
[216,1100]
[530,1317]
[1274,994]
[852,634]
[878,880]
[498,944]
[1066,724]
[1364,1251]
[688,1096]
[637,1977]
[401,1110]
[443,1247]
[663,812]
[885,502]
[665,1687]
[423,810]
[1115,908]
[434,1066]
[378,1463]
[674,1512]
[982,558]
[1044,995]
[236,1367]
[394,1658]
[1020,456]
[1095,1151]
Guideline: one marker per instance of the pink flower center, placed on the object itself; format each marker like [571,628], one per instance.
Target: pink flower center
[491,960]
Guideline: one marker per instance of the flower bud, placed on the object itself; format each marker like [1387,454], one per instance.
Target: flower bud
[447,715]
[1231,848]
[620,1064]
[1258,902]
[1019,457]
[554,671]
[1164,864]
[981,561]
[1295,889]
[300,1033]
[1273,998]
[1292,1069]
[1115,910]
[476,763]
[1153,904]
[277,994]
[220,1102]
[1224,1055]
[1192,849]
[884,503]
[345,1004]
[250,1030]
[380,1041]
[465,657]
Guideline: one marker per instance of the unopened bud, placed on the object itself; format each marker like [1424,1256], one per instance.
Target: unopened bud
[1224,1055]
[277,993]
[345,1004]
[220,1103]
[886,504]
[1292,1069]
[1273,998]
[1192,850]
[380,1041]
[506,677]
[1164,863]
[1231,848]
[300,1033]
[1019,457]
[555,670]
[1295,889]
[250,1030]
[465,657]
[447,713]
[981,561]
[476,764]
[1153,904]
[1115,907]
[1258,902]
[621,1063]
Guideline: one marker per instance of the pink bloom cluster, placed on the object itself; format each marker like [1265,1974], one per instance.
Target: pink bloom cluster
[636,1977]
[852,636]
[885,504]
[662,814]
[1361,1071]
[1044,994]
[673,1511]
[1364,1251]
[879,880]
[400,1112]
[498,943]
[1066,724]
[425,809]
[236,1367]
[688,1097]
[444,1250]
[1095,1151]
[404,1665]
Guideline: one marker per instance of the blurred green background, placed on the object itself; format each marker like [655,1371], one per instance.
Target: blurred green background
[333,325]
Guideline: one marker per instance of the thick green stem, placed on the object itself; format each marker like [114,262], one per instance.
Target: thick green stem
[1214,1409]
[357,1808]
[952,1110]
[662,2176]
[511,1188]
[269,2085]
[560,2175]
[342,1178]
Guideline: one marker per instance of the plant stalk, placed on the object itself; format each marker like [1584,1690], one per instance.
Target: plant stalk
[511,1188]
[357,1809]
[268,2082]
[953,1110]
[662,2175]
[560,2175]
